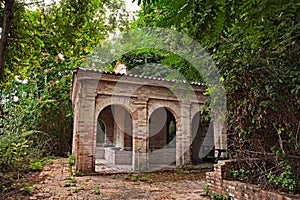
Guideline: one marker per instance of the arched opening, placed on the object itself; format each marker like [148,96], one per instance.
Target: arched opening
[114,135]
[162,137]
[202,146]
[171,132]
[114,127]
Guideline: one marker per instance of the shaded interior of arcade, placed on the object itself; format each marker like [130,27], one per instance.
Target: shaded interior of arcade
[114,139]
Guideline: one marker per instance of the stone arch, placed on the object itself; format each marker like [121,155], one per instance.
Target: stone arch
[119,127]
[117,148]
[160,122]
[164,153]
[172,106]
[104,101]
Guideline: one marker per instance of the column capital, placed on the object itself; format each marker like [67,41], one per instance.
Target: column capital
[141,100]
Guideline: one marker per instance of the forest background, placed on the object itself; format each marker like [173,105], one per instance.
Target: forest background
[254,43]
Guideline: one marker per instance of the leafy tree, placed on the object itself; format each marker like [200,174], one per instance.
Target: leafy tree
[48,45]
[256,47]
[44,47]
[71,25]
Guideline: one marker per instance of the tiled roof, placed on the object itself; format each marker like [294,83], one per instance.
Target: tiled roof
[133,76]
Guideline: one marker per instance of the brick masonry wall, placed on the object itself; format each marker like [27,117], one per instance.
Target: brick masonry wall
[93,91]
[217,183]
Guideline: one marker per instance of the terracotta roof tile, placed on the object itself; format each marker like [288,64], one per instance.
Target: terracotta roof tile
[134,76]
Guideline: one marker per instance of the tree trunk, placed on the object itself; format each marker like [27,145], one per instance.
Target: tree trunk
[7,18]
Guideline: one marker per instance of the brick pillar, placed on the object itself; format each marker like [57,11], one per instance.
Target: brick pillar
[183,152]
[86,128]
[75,129]
[140,155]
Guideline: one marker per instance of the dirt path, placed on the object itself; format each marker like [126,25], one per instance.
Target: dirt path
[56,182]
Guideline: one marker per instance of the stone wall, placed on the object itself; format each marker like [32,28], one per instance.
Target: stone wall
[218,183]
[93,91]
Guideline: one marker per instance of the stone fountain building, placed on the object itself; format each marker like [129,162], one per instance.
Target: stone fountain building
[139,121]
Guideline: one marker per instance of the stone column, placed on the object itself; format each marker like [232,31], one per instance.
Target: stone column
[119,126]
[220,137]
[86,127]
[183,154]
[140,135]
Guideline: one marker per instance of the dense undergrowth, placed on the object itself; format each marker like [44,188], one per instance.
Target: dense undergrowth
[20,155]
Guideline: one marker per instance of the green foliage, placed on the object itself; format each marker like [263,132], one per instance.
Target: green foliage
[72,182]
[36,166]
[44,47]
[97,191]
[67,185]
[71,179]
[71,160]
[13,151]
[43,103]
[284,179]
[144,178]
[66,27]
[145,62]
[219,196]
[17,153]
[25,187]
[255,45]
[78,173]
[240,174]
[76,190]
[216,196]
[113,176]
[126,177]
[206,190]
[135,178]
[48,49]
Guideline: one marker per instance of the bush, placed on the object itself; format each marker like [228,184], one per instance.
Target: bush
[16,153]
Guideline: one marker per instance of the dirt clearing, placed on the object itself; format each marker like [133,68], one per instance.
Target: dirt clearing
[56,182]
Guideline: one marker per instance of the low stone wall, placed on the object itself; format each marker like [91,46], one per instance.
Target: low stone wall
[163,156]
[100,153]
[116,156]
[217,182]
